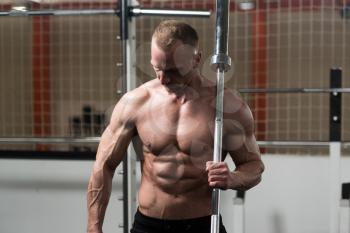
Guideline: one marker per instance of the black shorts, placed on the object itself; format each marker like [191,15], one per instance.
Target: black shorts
[145,224]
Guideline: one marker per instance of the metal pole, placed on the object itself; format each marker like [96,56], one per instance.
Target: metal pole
[131,83]
[221,62]
[170,12]
[124,18]
[47,155]
[133,11]
[335,150]
[50,140]
[25,12]
[293,90]
[96,140]
[290,144]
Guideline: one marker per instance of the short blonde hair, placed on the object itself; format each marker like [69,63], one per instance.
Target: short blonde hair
[169,31]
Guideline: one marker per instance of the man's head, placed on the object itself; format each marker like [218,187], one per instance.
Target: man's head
[168,32]
[174,53]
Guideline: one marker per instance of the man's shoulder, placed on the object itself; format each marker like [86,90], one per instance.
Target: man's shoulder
[130,103]
[151,85]
[233,102]
[235,108]
[137,98]
[138,95]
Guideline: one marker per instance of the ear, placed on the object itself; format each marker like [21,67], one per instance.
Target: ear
[197,59]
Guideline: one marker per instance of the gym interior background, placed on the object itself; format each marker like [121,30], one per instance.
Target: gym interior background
[61,76]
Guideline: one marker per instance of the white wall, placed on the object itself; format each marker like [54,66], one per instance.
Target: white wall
[49,196]
[293,197]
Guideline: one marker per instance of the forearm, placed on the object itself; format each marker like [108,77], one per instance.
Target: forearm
[98,194]
[246,175]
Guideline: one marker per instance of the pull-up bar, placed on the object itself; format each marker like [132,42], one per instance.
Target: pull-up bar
[133,11]
[293,90]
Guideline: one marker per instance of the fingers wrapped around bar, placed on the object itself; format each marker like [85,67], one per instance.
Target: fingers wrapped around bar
[219,175]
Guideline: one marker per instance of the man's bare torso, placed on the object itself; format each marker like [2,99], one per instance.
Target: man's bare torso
[177,140]
[170,120]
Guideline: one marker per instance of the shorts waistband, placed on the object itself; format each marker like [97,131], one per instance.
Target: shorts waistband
[192,221]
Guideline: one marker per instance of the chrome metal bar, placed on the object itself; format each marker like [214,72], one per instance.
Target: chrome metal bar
[4,13]
[221,62]
[169,12]
[217,157]
[79,12]
[289,144]
[47,155]
[134,11]
[93,140]
[50,140]
[219,117]
[124,35]
[294,90]
[60,12]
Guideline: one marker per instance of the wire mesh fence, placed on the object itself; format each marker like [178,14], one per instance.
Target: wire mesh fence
[60,75]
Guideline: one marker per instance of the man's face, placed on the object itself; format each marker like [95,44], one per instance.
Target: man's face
[176,65]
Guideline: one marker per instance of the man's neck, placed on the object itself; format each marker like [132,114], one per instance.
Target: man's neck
[187,90]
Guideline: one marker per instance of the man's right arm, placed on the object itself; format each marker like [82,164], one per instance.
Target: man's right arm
[111,150]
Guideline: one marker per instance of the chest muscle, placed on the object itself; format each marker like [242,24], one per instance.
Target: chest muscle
[171,127]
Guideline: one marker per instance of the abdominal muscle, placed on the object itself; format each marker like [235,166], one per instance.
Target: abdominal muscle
[174,187]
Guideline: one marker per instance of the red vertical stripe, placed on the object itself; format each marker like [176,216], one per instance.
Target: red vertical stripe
[41,77]
[259,70]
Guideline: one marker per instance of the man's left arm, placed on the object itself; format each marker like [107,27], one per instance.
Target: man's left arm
[239,141]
